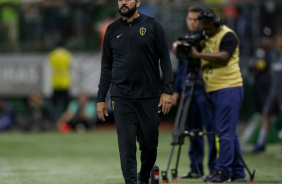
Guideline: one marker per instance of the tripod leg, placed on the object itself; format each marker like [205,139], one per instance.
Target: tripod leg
[178,157]
[186,108]
[170,157]
[178,128]
[174,172]
[252,175]
[176,135]
[164,173]
[182,112]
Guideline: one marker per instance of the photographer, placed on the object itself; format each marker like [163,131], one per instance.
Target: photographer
[224,84]
[201,113]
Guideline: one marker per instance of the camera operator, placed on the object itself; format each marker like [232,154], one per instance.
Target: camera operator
[201,112]
[224,85]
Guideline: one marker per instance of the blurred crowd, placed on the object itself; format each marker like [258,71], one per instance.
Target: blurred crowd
[40,114]
[39,25]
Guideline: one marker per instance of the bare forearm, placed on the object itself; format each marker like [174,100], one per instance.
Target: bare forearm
[216,58]
[220,58]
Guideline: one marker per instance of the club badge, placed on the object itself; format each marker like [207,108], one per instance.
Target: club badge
[142,31]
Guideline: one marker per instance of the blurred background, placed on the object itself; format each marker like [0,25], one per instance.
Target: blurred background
[31,31]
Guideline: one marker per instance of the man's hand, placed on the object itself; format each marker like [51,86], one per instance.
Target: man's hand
[174,46]
[195,53]
[175,97]
[166,103]
[102,110]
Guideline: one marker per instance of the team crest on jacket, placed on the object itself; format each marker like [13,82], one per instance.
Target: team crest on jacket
[142,31]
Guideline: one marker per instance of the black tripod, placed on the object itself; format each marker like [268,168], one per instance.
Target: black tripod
[179,132]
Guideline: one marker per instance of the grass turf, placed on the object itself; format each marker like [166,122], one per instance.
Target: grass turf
[55,158]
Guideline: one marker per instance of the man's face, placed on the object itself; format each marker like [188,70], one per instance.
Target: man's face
[35,99]
[209,28]
[127,8]
[192,21]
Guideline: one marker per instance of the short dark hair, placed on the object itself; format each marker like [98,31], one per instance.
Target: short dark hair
[206,20]
[196,9]
[208,16]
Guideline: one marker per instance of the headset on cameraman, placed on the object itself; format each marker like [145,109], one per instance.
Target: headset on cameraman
[210,15]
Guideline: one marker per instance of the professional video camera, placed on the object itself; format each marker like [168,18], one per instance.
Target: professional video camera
[184,51]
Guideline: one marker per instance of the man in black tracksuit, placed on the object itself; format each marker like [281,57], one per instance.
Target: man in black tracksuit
[134,46]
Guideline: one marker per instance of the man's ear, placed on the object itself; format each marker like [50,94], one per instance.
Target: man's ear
[138,3]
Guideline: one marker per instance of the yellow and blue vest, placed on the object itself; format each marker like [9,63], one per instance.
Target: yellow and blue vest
[218,76]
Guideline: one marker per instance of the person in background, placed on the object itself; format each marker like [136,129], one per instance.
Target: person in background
[60,60]
[6,114]
[273,105]
[200,110]
[39,114]
[80,114]
[224,86]
[32,25]
[262,79]
[9,18]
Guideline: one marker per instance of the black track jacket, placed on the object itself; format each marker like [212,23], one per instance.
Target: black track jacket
[132,52]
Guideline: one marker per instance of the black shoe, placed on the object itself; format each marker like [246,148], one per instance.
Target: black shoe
[218,177]
[191,175]
[209,176]
[141,182]
[258,149]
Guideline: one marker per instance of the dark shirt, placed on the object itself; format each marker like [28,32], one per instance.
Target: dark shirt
[229,43]
[42,113]
[132,53]
[275,60]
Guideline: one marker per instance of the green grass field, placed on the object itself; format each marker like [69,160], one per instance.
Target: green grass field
[92,158]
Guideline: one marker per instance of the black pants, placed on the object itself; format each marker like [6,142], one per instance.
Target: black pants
[60,101]
[136,119]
